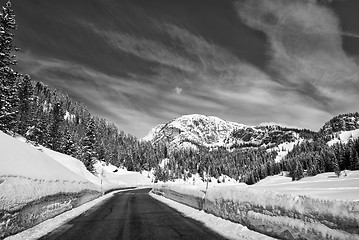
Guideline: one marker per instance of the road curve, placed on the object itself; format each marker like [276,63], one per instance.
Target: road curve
[132,215]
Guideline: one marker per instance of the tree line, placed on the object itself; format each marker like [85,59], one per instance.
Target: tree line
[245,165]
[313,157]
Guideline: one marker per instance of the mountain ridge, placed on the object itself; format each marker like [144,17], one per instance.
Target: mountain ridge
[195,130]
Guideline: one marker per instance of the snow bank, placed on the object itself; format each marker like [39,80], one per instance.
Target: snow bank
[50,225]
[284,215]
[28,174]
[281,215]
[37,183]
[226,228]
[189,195]
[34,187]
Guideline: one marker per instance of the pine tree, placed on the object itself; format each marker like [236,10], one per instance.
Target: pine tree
[68,146]
[25,104]
[7,74]
[336,167]
[88,146]
[354,159]
[7,25]
[55,133]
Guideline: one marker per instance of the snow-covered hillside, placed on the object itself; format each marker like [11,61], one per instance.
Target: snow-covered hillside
[340,123]
[194,129]
[27,174]
[37,183]
[344,136]
[211,132]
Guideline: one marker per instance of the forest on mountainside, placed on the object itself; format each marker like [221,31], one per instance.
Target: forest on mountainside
[313,157]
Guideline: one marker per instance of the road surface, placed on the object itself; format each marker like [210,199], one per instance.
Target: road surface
[132,215]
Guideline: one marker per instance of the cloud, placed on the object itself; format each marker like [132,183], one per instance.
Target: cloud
[305,46]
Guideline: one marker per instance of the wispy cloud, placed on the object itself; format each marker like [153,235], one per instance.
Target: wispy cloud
[305,45]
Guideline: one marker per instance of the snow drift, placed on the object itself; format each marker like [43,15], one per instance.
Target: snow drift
[35,187]
[280,215]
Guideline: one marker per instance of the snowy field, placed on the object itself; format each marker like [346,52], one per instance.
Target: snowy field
[323,186]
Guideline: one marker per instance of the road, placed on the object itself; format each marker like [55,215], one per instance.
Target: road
[132,215]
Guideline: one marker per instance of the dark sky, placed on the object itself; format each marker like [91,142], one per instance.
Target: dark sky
[139,63]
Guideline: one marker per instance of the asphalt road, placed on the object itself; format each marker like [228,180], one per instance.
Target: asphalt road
[132,215]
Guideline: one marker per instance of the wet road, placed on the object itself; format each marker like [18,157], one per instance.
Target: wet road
[132,215]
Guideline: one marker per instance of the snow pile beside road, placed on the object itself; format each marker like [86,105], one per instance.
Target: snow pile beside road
[28,174]
[282,213]
[76,166]
[227,229]
[34,187]
[189,195]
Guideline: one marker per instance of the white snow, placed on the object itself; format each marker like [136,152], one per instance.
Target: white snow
[227,229]
[277,205]
[28,174]
[283,149]
[34,174]
[72,164]
[324,186]
[69,117]
[344,137]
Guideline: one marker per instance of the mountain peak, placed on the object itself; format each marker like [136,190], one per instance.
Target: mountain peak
[196,130]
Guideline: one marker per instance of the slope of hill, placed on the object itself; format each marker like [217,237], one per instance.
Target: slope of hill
[37,183]
[27,174]
[341,123]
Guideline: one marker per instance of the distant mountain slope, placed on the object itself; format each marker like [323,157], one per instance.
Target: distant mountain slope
[198,130]
[342,123]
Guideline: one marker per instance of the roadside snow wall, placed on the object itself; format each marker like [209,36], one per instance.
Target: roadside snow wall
[279,215]
[193,197]
[16,220]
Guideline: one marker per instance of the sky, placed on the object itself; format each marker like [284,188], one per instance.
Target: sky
[139,63]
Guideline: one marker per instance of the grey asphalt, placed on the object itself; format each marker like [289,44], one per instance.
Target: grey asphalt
[132,215]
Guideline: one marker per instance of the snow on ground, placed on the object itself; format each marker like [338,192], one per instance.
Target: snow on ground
[325,185]
[53,223]
[37,183]
[284,148]
[123,177]
[107,176]
[319,207]
[223,227]
[344,137]
[26,174]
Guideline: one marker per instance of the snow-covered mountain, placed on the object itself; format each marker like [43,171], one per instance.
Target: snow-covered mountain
[199,130]
[341,123]
[341,128]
